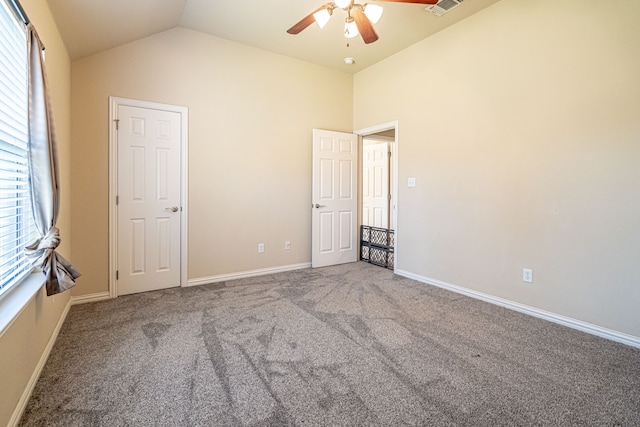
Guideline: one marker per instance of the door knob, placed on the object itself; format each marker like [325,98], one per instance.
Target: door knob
[320,206]
[172,209]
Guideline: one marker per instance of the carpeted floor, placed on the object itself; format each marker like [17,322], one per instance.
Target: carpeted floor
[350,345]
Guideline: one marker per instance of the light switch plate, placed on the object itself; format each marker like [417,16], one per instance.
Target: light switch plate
[411,182]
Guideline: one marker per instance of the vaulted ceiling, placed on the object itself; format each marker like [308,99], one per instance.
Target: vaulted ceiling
[89,27]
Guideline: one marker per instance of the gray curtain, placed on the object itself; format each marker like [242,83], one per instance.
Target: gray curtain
[43,174]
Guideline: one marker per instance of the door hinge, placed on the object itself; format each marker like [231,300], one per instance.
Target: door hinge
[117,274]
[389,153]
[117,200]
[389,197]
[117,123]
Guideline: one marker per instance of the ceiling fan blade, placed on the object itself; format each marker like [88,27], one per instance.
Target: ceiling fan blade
[365,28]
[412,1]
[307,20]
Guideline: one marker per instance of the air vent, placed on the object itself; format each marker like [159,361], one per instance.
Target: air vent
[443,6]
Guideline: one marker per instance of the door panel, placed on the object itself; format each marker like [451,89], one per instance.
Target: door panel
[148,211]
[137,228]
[326,232]
[346,179]
[334,203]
[347,232]
[164,244]
[326,179]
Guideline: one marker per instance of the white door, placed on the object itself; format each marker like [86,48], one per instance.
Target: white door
[148,199]
[334,204]
[375,185]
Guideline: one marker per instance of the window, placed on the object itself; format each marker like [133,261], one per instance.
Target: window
[16,223]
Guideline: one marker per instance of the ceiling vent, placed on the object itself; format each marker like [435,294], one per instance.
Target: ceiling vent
[443,6]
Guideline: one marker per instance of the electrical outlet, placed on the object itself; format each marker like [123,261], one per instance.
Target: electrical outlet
[260,248]
[287,245]
[527,275]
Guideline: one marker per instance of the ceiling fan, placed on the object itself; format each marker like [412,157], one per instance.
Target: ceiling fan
[360,17]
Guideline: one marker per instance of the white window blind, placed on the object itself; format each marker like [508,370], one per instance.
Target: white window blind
[16,224]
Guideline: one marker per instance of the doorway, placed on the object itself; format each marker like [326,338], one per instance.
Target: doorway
[378,200]
[337,178]
[147,193]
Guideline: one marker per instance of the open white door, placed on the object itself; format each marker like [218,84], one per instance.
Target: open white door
[375,184]
[335,202]
[148,199]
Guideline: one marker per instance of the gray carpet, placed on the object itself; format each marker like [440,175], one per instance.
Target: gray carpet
[350,345]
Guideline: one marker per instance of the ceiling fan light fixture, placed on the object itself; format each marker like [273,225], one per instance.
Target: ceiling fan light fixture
[373,12]
[360,17]
[350,28]
[322,17]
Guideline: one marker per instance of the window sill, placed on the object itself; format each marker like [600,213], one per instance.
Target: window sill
[16,299]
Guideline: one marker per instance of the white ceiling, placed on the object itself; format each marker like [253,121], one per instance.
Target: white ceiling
[91,26]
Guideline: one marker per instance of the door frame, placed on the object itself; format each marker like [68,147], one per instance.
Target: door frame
[114,103]
[395,150]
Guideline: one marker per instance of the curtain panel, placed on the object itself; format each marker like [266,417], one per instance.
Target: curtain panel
[60,275]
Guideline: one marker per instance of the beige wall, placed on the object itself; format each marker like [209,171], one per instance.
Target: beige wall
[250,118]
[30,332]
[521,126]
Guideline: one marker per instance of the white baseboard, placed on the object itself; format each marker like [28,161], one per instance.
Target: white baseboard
[24,399]
[99,296]
[589,328]
[245,274]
